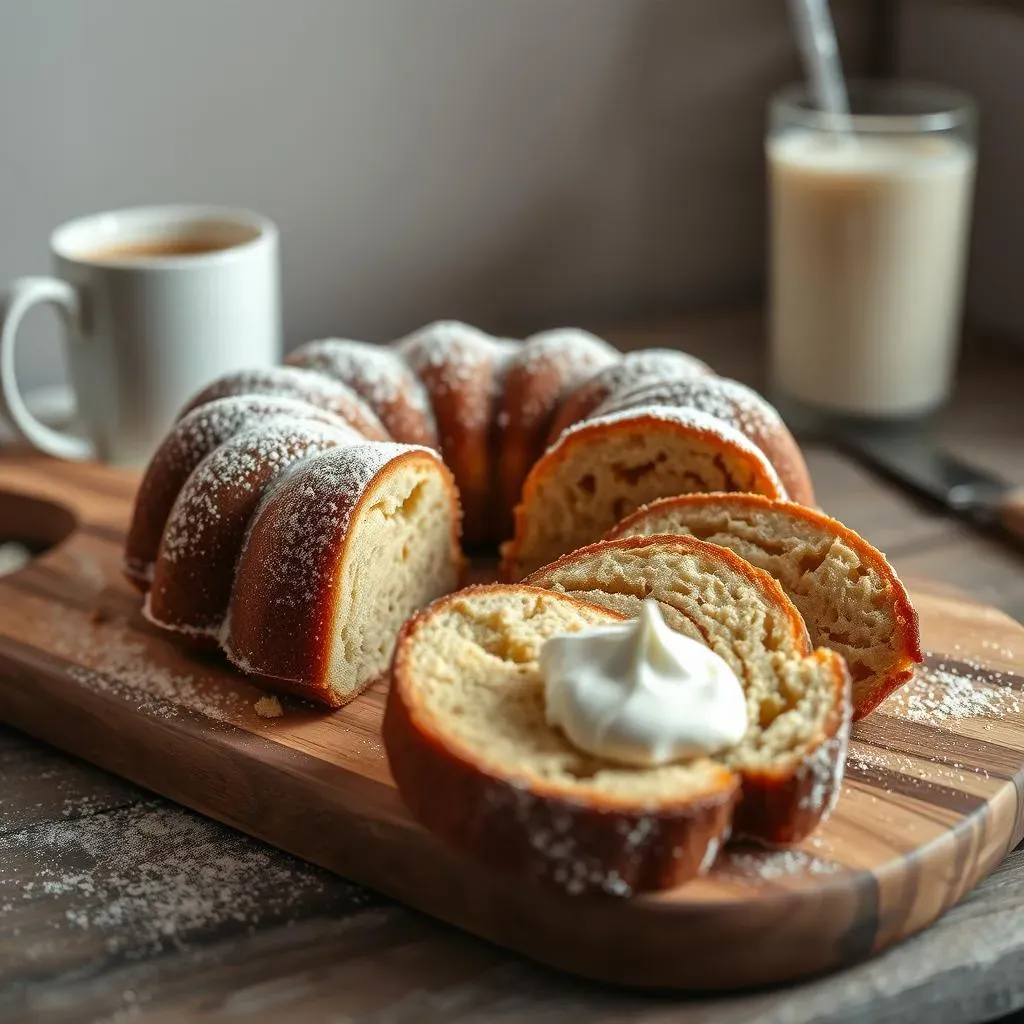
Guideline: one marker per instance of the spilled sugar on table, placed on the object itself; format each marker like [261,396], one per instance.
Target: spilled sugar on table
[930,803]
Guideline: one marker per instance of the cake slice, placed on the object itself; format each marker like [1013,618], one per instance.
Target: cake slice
[193,576]
[602,469]
[338,555]
[189,441]
[848,594]
[477,764]
[798,699]
[733,403]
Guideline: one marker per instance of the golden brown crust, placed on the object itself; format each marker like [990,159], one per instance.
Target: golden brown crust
[761,477]
[379,375]
[545,837]
[463,381]
[285,596]
[193,575]
[867,694]
[784,805]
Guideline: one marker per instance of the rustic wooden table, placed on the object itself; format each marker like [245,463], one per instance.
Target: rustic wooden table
[116,905]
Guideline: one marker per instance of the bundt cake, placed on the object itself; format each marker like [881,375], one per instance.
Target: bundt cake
[798,699]
[846,591]
[474,758]
[486,407]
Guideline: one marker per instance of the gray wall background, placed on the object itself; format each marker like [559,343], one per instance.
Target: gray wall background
[516,163]
[511,162]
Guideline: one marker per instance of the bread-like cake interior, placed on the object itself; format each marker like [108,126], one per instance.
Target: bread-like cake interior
[479,686]
[402,560]
[606,468]
[847,593]
[739,612]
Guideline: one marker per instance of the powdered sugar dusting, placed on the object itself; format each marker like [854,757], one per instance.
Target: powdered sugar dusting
[203,429]
[110,659]
[556,361]
[743,864]
[450,356]
[729,400]
[942,693]
[293,382]
[241,468]
[376,372]
[647,365]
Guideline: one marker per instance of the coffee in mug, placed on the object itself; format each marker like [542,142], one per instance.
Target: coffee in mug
[156,302]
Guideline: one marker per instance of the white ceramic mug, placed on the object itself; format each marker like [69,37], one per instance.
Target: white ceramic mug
[157,301]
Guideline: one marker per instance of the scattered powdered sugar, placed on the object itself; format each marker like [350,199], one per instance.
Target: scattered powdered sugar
[941,694]
[205,428]
[110,659]
[744,864]
[647,366]
[728,400]
[150,877]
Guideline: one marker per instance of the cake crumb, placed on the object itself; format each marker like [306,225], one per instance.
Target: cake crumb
[268,707]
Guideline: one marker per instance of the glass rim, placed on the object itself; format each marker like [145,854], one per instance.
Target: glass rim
[953,108]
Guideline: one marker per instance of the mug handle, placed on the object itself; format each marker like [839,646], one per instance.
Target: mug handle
[24,293]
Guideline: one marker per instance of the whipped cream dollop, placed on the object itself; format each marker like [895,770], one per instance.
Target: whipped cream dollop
[641,694]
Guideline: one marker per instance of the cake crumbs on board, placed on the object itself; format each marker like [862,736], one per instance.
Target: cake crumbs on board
[268,707]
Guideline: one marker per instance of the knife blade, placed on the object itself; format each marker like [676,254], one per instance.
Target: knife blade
[914,460]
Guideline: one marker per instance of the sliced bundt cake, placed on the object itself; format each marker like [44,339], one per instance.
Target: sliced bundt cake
[848,594]
[798,699]
[603,468]
[469,744]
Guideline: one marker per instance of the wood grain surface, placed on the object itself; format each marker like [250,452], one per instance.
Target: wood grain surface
[930,805]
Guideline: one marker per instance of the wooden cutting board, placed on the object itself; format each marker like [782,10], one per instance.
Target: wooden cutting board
[931,802]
